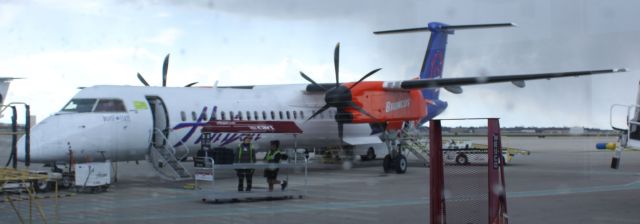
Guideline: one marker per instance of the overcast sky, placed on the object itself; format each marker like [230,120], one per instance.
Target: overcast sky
[58,46]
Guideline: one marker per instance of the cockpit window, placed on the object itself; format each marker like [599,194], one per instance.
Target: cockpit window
[79,105]
[110,105]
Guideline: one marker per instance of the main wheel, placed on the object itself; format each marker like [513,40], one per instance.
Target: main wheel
[386,163]
[401,164]
[462,159]
[371,155]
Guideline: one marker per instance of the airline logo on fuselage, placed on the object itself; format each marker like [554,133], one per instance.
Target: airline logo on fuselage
[218,138]
[392,106]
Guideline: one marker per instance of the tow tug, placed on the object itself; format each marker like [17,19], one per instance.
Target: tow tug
[463,152]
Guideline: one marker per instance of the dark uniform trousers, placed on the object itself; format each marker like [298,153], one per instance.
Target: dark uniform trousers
[242,175]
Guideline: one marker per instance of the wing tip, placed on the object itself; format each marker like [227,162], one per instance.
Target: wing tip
[620,70]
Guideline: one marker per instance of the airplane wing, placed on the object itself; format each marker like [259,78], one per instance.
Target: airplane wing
[453,84]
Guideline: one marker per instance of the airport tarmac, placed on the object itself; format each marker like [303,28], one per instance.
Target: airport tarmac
[564,180]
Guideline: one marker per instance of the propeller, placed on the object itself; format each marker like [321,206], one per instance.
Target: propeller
[165,69]
[339,96]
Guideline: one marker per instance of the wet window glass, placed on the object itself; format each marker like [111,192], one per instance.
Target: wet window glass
[110,105]
[79,105]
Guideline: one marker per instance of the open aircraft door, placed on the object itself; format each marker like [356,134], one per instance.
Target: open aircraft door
[629,128]
[160,118]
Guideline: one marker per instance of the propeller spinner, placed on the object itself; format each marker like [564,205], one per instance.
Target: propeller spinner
[339,96]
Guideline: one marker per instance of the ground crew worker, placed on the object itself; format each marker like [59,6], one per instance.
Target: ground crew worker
[274,156]
[245,154]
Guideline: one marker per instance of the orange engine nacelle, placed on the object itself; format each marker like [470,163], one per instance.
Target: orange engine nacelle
[384,104]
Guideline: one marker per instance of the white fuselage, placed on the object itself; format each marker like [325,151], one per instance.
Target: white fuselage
[126,135]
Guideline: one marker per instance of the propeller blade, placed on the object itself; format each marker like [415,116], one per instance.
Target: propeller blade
[191,84]
[336,62]
[354,105]
[340,131]
[142,80]
[165,67]
[311,81]
[325,107]
[364,77]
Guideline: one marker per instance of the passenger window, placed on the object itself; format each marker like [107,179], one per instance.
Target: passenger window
[295,115]
[222,117]
[255,115]
[194,116]
[264,115]
[239,115]
[110,105]
[248,115]
[204,116]
[213,114]
[231,117]
[280,113]
[79,105]
[273,115]
[183,116]
[301,115]
[288,115]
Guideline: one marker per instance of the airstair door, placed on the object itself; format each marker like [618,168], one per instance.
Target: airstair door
[160,121]
[634,123]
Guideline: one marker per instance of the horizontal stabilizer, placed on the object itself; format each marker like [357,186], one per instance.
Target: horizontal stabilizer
[454,89]
[440,26]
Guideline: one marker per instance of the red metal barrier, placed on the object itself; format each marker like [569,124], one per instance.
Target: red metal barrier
[467,197]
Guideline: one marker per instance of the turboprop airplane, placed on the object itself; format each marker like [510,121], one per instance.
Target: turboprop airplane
[129,123]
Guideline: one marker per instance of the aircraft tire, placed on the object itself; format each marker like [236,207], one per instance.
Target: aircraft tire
[401,164]
[386,163]
[371,155]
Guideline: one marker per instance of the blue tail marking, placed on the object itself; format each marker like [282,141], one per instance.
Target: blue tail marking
[432,68]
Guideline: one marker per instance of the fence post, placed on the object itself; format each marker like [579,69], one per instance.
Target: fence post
[436,181]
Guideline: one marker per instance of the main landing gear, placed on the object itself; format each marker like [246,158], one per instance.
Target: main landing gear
[394,160]
[397,162]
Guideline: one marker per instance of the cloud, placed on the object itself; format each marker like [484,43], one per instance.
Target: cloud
[167,37]
[8,14]
[53,77]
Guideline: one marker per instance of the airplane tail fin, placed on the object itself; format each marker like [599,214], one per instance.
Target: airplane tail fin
[434,58]
[4,88]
